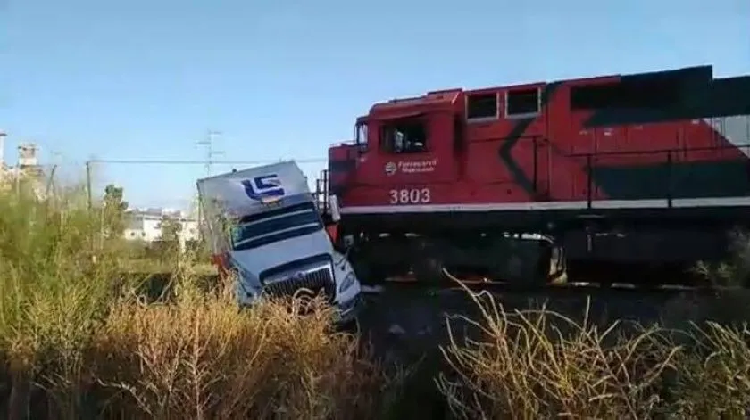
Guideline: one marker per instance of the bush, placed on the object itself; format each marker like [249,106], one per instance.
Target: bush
[712,380]
[76,343]
[538,364]
[735,270]
[201,358]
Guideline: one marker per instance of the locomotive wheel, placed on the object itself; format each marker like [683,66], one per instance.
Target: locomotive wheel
[555,264]
[369,273]
[429,270]
[428,265]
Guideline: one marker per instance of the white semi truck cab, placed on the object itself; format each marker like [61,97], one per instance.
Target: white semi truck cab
[263,222]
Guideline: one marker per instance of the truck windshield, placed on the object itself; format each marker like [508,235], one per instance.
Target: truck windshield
[275,225]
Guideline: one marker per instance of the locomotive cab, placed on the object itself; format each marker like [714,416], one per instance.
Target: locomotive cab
[406,158]
[402,150]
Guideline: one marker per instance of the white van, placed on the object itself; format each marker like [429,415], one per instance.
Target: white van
[264,223]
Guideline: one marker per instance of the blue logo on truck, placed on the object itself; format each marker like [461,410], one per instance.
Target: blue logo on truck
[264,188]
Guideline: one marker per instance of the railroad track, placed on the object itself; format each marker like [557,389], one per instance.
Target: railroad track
[158,281]
[574,286]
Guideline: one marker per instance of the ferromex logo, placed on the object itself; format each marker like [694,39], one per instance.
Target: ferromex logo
[390,168]
[264,188]
[410,166]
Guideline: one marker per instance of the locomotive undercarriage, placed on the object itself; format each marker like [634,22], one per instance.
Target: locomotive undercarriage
[644,252]
[476,255]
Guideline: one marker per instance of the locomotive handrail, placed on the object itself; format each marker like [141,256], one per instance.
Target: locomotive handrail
[668,162]
[657,151]
[668,187]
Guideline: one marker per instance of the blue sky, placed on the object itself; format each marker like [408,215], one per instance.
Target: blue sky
[145,79]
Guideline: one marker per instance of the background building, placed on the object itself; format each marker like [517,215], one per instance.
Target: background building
[146,225]
[27,168]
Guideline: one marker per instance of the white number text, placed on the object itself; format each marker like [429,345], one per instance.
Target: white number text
[409,196]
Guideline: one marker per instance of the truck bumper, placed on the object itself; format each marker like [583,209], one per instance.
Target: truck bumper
[347,312]
[344,313]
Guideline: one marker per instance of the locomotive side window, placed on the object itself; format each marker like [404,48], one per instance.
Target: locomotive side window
[407,136]
[521,103]
[481,106]
[360,135]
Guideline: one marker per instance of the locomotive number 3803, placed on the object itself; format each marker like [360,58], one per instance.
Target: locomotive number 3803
[409,196]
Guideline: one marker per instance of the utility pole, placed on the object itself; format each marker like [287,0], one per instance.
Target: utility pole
[208,141]
[3,136]
[89,194]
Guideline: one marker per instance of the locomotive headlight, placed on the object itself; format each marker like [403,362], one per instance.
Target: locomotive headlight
[348,282]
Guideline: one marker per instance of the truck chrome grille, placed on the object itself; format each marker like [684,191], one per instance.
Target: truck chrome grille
[315,280]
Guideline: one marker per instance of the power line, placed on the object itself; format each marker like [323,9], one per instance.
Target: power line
[202,162]
[210,153]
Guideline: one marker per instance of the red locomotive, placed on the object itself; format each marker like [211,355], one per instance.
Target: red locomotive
[644,168]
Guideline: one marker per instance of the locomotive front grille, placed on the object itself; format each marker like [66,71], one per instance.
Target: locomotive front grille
[315,280]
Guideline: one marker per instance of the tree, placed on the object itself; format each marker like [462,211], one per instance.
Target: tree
[170,229]
[113,198]
[198,250]
[114,211]
[169,242]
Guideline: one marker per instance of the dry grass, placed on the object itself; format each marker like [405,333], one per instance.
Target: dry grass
[735,270]
[712,379]
[146,266]
[76,344]
[537,364]
[202,359]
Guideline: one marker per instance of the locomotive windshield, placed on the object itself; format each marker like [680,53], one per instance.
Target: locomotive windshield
[404,136]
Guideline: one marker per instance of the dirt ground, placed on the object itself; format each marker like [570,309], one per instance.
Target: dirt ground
[406,321]
[405,325]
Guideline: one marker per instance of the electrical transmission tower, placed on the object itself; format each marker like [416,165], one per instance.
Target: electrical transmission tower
[208,141]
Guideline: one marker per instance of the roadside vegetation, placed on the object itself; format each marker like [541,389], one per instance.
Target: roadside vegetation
[78,340]
[536,364]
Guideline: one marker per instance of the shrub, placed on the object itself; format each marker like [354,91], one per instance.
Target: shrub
[539,364]
[713,377]
[201,358]
[734,271]
[76,343]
